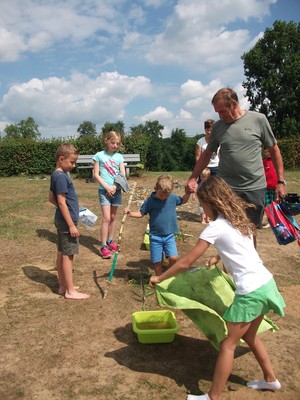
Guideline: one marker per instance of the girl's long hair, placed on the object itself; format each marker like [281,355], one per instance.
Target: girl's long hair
[222,200]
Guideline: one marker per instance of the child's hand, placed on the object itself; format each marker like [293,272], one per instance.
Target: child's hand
[153,280]
[191,188]
[126,211]
[74,232]
[193,196]
[111,190]
[212,261]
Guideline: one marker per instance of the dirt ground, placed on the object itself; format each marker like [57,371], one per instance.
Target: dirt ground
[57,349]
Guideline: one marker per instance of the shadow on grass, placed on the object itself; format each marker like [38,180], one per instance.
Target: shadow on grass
[187,216]
[186,360]
[42,276]
[87,241]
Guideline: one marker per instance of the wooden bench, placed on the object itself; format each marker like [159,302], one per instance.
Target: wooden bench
[85,161]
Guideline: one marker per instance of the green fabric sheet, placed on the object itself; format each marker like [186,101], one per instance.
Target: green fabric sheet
[203,295]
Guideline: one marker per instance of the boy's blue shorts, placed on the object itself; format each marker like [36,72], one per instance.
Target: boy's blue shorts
[162,244]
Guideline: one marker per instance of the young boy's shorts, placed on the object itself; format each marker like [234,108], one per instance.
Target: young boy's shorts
[162,244]
[106,200]
[66,244]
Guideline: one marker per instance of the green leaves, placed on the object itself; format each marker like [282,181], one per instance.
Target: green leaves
[272,70]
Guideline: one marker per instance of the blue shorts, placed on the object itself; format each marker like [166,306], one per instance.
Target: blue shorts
[106,200]
[162,244]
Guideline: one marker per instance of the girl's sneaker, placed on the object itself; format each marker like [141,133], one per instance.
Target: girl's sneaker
[112,246]
[105,253]
[264,385]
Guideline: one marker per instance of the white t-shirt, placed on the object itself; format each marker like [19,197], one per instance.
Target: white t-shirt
[238,254]
[214,159]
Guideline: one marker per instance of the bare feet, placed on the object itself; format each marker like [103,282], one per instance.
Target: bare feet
[62,290]
[76,295]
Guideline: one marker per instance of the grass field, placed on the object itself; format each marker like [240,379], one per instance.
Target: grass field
[54,349]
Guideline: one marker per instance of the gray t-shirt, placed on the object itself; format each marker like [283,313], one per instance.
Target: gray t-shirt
[241,144]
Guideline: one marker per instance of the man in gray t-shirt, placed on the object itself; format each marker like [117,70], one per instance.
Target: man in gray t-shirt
[241,136]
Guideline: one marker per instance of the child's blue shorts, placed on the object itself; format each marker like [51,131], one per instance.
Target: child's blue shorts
[162,244]
[106,200]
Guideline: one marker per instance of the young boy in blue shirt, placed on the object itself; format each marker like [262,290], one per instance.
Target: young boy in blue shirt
[63,196]
[161,207]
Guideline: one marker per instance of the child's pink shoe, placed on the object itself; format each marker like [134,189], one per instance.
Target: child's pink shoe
[105,253]
[112,246]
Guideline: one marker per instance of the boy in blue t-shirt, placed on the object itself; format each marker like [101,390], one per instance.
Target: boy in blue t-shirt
[63,196]
[161,207]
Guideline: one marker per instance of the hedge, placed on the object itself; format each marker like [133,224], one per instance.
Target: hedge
[38,158]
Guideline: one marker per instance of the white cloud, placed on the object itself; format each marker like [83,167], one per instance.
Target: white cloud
[11,44]
[130,39]
[58,102]
[31,25]
[160,113]
[195,35]
[183,114]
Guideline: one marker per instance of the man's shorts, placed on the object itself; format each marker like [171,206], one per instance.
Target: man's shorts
[106,200]
[162,244]
[256,197]
[66,244]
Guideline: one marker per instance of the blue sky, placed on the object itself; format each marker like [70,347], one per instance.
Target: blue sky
[64,62]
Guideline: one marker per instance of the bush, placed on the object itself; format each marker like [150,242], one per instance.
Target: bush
[38,157]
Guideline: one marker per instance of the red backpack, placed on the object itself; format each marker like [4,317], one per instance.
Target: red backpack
[283,225]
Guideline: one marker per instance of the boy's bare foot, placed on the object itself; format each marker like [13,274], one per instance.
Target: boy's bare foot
[76,296]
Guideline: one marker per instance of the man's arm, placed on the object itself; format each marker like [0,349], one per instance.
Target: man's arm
[278,164]
[199,167]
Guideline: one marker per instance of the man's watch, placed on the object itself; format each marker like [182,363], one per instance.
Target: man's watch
[281,182]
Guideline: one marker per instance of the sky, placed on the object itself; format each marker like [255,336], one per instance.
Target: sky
[64,62]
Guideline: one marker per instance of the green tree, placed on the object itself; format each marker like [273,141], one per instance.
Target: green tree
[25,129]
[87,128]
[137,141]
[113,126]
[178,148]
[272,70]
[153,129]
[12,132]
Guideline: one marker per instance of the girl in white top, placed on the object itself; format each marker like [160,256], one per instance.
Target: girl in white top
[230,231]
[201,146]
